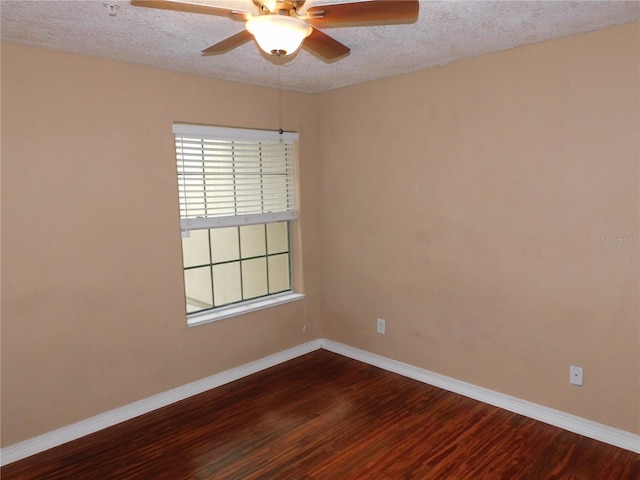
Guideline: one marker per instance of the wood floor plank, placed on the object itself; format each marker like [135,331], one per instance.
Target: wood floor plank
[326,417]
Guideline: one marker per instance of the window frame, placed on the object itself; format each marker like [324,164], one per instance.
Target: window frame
[207,223]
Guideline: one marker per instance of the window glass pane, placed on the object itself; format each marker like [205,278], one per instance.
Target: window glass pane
[195,248]
[254,278]
[226,278]
[274,185]
[224,244]
[279,273]
[197,285]
[248,179]
[277,237]
[190,178]
[220,179]
[252,241]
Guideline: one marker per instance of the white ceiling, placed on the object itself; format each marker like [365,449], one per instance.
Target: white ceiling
[446,31]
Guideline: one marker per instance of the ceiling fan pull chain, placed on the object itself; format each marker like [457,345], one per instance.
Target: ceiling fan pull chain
[279,66]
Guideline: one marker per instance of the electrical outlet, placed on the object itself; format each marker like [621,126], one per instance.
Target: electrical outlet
[575,375]
[381,326]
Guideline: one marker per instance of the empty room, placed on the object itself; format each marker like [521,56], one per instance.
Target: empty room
[404,243]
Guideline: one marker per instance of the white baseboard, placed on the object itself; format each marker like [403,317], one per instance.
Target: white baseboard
[572,423]
[578,425]
[77,430]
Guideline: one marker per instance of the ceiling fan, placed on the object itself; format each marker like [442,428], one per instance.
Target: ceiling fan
[281,26]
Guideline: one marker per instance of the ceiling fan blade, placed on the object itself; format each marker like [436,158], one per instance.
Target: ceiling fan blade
[324,46]
[228,43]
[191,8]
[369,12]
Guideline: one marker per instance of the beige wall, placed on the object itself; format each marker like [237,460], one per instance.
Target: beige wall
[467,206]
[92,295]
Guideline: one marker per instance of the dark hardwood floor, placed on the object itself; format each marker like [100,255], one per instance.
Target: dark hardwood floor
[324,416]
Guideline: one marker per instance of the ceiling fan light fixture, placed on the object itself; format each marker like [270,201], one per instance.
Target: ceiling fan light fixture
[278,34]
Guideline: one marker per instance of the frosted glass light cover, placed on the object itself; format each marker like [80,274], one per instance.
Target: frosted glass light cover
[278,33]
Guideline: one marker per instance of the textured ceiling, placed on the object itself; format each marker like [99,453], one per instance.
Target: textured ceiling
[445,31]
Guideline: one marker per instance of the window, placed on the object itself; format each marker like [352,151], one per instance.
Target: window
[237,199]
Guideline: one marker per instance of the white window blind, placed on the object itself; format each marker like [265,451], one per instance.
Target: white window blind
[230,177]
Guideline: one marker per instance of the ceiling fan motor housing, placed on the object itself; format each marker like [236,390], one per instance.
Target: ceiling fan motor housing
[280,7]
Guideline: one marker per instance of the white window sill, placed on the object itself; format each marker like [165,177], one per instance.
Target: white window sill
[234,310]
